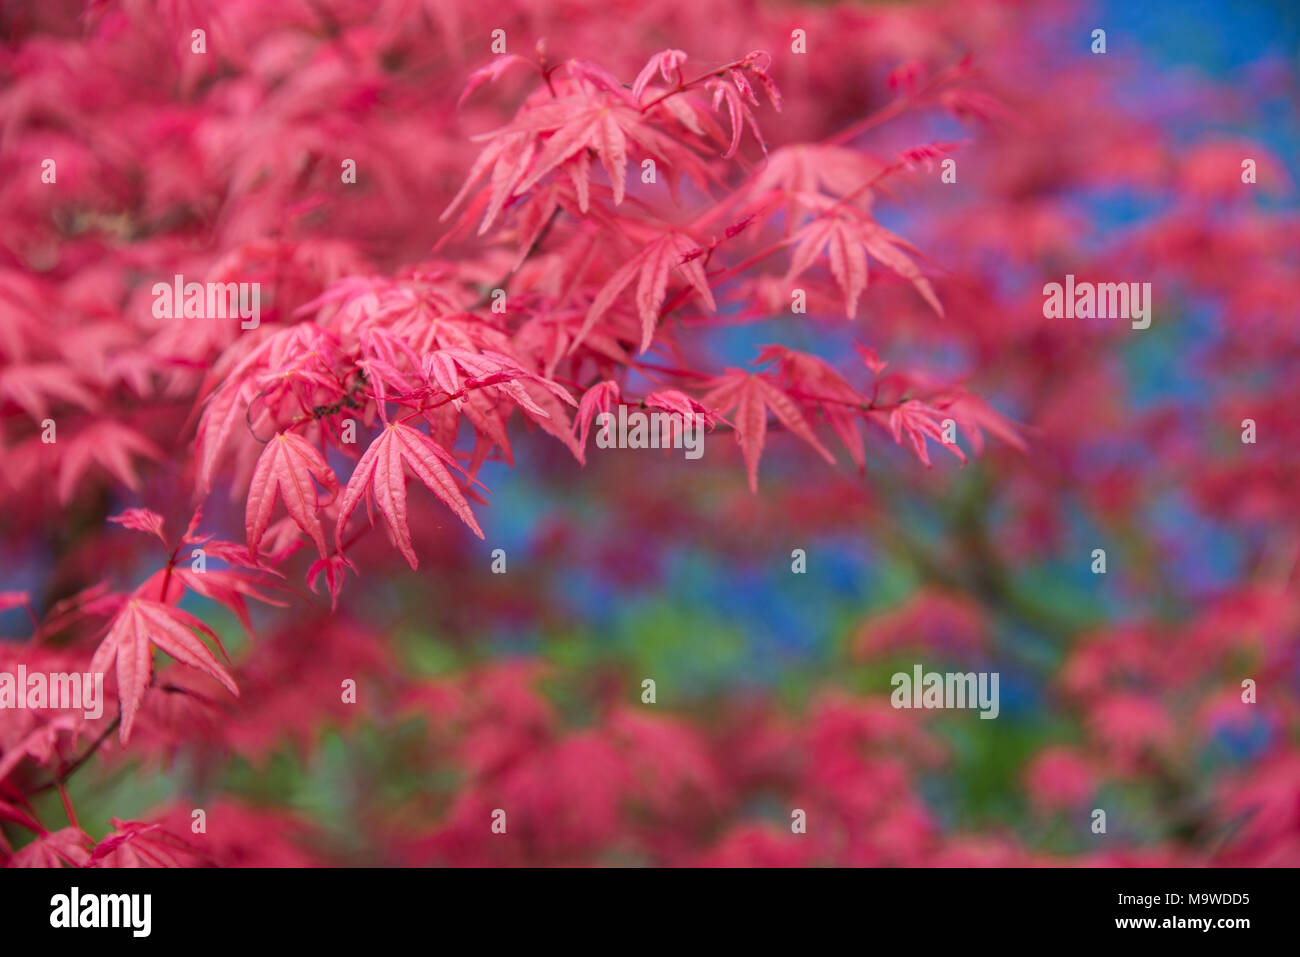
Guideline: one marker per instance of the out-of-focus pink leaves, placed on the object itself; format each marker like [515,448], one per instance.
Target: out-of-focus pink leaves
[32,387]
[13,599]
[870,358]
[227,587]
[804,171]
[37,738]
[974,414]
[1060,779]
[109,444]
[488,74]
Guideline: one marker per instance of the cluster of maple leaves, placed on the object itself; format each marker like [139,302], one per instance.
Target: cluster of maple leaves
[602,225]
[426,351]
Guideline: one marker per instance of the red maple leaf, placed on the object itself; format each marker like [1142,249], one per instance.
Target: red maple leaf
[334,569]
[141,520]
[380,476]
[136,844]
[818,383]
[70,846]
[751,396]
[594,115]
[600,398]
[287,465]
[139,625]
[848,235]
[919,421]
[650,268]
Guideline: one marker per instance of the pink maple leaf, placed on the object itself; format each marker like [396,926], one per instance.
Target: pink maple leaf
[380,477]
[751,396]
[140,625]
[287,465]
